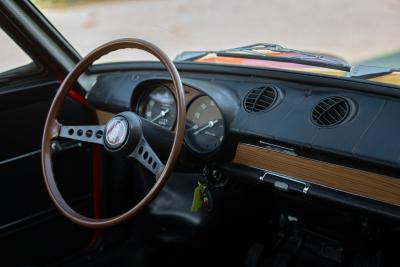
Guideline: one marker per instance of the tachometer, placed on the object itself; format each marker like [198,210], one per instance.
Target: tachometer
[204,125]
[158,106]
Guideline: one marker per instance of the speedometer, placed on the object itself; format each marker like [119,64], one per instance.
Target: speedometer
[204,125]
[158,106]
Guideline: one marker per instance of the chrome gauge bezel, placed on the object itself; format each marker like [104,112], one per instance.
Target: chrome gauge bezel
[146,94]
[187,139]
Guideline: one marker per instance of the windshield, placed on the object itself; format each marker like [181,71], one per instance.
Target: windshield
[357,32]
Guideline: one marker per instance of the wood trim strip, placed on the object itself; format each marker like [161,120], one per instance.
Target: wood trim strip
[103,116]
[361,183]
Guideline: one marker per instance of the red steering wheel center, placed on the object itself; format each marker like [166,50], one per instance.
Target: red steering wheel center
[116,132]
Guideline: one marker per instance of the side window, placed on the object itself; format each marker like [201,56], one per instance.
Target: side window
[13,58]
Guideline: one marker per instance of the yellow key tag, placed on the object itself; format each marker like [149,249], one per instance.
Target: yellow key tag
[197,197]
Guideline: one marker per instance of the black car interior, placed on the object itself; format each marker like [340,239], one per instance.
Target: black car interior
[297,169]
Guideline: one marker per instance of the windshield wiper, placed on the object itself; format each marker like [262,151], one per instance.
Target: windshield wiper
[364,71]
[300,57]
[255,51]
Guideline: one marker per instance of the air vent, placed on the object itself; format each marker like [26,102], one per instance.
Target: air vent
[261,98]
[332,111]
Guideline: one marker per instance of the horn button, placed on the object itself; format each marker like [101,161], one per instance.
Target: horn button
[122,133]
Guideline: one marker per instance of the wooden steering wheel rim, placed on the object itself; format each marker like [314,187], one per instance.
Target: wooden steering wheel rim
[52,128]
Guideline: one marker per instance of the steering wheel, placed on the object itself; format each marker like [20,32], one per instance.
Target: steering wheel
[122,135]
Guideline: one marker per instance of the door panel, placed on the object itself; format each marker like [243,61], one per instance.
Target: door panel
[32,231]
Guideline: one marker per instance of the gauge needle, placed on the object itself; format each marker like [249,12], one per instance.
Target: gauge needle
[162,114]
[210,124]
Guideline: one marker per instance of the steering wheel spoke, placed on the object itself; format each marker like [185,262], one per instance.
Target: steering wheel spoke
[147,157]
[85,133]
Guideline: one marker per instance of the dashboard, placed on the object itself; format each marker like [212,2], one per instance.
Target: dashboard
[307,138]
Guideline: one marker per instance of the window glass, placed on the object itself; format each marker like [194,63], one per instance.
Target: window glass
[12,56]
[340,32]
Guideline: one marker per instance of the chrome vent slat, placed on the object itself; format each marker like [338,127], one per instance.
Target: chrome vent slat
[331,111]
[265,101]
[338,114]
[260,99]
[329,115]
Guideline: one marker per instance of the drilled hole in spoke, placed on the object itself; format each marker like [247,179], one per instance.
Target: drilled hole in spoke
[71,131]
[145,155]
[140,150]
[150,160]
[154,165]
[79,132]
[89,133]
[99,134]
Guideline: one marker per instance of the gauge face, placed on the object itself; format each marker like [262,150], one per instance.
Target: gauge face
[158,106]
[204,125]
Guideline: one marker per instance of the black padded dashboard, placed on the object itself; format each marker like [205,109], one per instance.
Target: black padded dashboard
[370,136]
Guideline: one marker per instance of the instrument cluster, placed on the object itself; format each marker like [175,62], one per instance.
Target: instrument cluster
[158,105]
[205,126]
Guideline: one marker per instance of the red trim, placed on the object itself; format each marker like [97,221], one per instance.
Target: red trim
[95,191]
[79,99]
[96,180]
[75,96]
